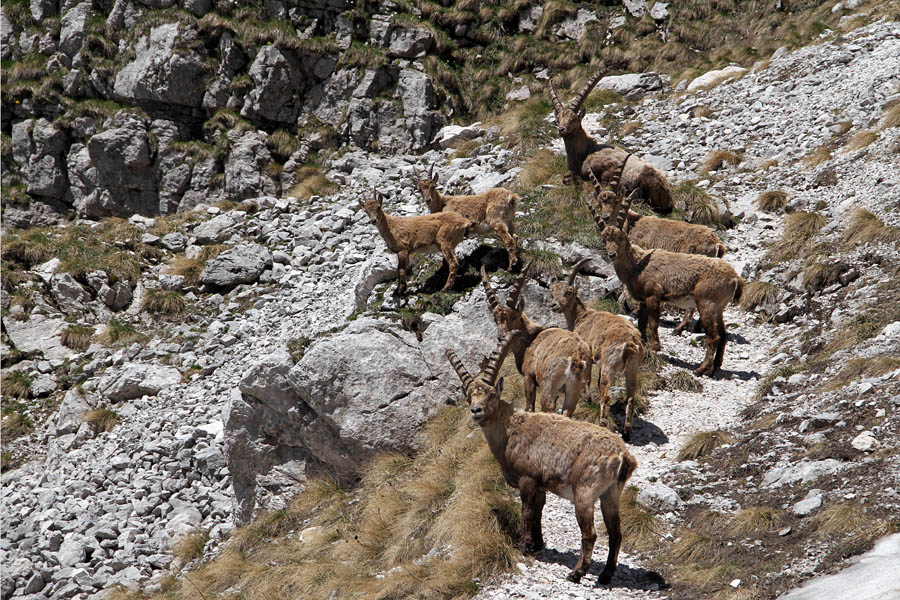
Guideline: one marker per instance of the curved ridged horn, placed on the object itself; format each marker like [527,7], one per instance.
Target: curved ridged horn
[489,375]
[557,105]
[493,302]
[598,220]
[431,172]
[460,369]
[517,288]
[576,269]
[623,213]
[578,100]
[616,182]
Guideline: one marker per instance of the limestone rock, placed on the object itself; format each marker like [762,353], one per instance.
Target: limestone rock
[218,229]
[659,497]
[136,380]
[39,150]
[277,78]
[811,502]
[71,409]
[160,73]
[241,264]
[245,167]
[712,78]
[632,85]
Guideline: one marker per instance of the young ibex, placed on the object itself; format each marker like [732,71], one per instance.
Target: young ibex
[407,235]
[490,210]
[615,343]
[685,280]
[541,452]
[666,234]
[585,155]
[549,357]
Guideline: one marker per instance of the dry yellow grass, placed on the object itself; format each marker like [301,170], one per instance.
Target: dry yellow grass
[841,518]
[756,519]
[861,139]
[858,368]
[717,159]
[422,527]
[817,156]
[799,229]
[311,182]
[102,419]
[640,527]
[163,302]
[77,337]
[817,276]
[772,200]
[891,117]
[190,545]
[758,293]
[865,227]
[544,166]
[702,443]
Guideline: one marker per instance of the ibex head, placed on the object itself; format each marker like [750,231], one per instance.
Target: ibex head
[564,292]
[483,392]
[372,206]
[507,316]
[427,185]
[568,118]
[612,227]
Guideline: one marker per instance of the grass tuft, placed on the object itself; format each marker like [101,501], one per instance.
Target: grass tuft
[119,332]
[190,546]
[841,518]
[77,337]
[311,182]
[817,157]
[640,527]
[865,228]
[717,159]
[861,139]
[859,368]
[16,384]
[817,276]
[758,293]
[101,418]
[799,229]
[756,519]
[163,302]
[702,443]
[891,117]
[772,200]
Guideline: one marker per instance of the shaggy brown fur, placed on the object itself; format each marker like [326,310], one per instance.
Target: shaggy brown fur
[638,175]
[584,154]
[685,280]
[674,236]
[407,235]
[490,210]
[549,357]
[615,343]
[540,452]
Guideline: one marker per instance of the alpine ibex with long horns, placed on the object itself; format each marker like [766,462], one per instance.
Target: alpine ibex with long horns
[549,357]
[657,276]
[615,343]
[541,452]
[427,233]
[492,210]
[665,234]
[585,155]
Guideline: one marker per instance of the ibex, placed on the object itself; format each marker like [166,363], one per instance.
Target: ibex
[541,452]
[490,210]
[615,343]
[585,155]
[685,280]
[407,235]
[665,234]
[549,357]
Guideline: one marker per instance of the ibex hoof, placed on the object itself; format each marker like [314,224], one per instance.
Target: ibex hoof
[626,436]
[574,577]
[531,547]
[604,578]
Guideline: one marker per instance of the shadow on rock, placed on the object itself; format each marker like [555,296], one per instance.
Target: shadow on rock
[634,578]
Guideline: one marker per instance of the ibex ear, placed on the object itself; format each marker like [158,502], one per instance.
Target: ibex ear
[499,385]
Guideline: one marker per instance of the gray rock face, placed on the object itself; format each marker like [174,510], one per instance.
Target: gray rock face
[277,78]
[39,334]
[218,229]
[242,264]
[68,417]
[245,168]
[72,28]
[805,471]
[159,73]
[632,85]
[7,39]
[812,501]
[39,151]
[69,294]
[136,380]
[659,497]
[409,42]
[574,27]
[363,390]
[452,136]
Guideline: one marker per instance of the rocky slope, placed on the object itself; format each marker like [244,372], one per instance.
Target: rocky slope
[296,310]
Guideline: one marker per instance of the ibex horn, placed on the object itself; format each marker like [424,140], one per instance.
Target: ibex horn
[489,375]
[598,191]
[623,213]
[431,172]
[576,269]
[578,100]
[517,288]
[460,369]
[557,105]
[616,183]
[493,302]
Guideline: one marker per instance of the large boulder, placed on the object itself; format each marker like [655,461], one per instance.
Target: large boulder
[409,42]
[241,264]
[245,167]
[39,150]
[364,390]
[137,379]
[71,409]
[277,79]
[714,78]
[73,27]
[163,70]
[40,334]
[632,85]
[218,229]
